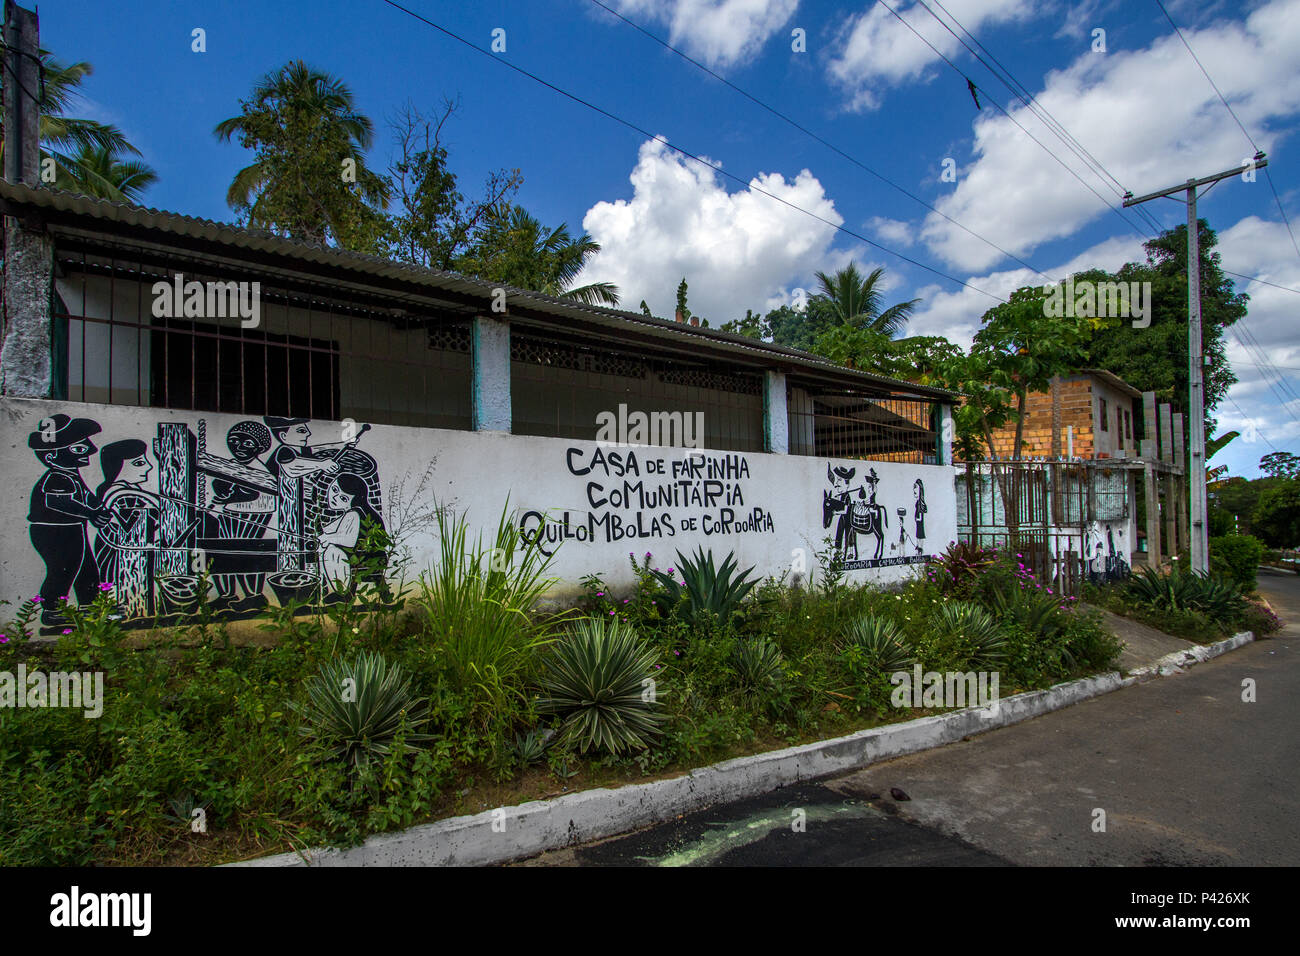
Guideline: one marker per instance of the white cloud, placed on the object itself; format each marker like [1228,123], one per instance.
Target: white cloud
[879,50]
[1148,116]
[1262,248]
[737,250]
[719,32]
[956,313]
[894,232]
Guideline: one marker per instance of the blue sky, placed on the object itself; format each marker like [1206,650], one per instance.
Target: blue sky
[864,83]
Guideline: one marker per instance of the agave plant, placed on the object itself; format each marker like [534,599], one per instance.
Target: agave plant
[357,707]
[758,664]
[878,641]
[704,589]
[1182,591]
[596,679]
[970,623]
[529,748]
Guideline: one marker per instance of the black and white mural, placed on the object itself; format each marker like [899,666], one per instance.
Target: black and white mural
[862,536]
[1105,555]
[149,518]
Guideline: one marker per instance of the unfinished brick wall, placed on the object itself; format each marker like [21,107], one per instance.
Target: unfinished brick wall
[1076,397]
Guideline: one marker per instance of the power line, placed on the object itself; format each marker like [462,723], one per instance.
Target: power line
[1004,112]
[689,155]
[1207,75]
[1255,428]
[1019,90]
[807,132]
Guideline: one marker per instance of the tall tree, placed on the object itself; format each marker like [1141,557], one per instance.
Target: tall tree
[103,172]
[88,156]
[515,249]
[1155,358]
[309,178]
[856,301]
[434,224]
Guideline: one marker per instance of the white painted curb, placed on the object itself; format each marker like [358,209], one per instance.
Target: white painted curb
[532,828]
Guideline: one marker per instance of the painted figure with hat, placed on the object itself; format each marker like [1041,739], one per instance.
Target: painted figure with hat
[61,506]
[295,458]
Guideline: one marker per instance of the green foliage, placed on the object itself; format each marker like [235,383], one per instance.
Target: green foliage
[879,643]
[596,679]
[476,610]
[855,300]
[704,589]
[1236,557]
[356,708]
[1155,358]
[1276,519]
[1280,464]
[309,178]
[962,630]
[515,249]
[1216,598]
[759,665]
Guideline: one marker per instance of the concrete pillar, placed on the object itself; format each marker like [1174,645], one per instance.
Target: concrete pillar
[776,415]
[490,351]
[25,362]
[1152,495]
[943,451]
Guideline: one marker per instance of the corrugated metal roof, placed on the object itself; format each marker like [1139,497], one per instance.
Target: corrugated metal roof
[73,209]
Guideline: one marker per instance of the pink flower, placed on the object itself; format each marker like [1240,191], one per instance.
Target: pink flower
[106,586]
[67,630]
[670,570]
[611,613]
[37,599]
[3,639]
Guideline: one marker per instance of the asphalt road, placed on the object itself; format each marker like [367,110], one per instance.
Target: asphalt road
[1186,772]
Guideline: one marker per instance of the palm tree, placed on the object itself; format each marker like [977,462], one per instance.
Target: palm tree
[516,249]
[302,122]
[87,155]
[855,301]
[101,171]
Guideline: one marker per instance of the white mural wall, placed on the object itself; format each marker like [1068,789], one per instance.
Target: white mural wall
[278,509]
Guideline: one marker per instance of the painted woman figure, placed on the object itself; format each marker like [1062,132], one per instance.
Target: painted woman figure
[124,549]
[918,512]
[355,540]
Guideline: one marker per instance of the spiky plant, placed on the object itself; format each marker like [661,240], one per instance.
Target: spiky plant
[596,680]
[973,626]
[356,708]
[758,664]
[704,588]
[879,643]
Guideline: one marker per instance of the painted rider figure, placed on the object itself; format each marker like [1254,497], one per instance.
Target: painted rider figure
[61,505]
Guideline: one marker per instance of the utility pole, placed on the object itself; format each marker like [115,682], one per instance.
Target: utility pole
[1195,364]
[25,356]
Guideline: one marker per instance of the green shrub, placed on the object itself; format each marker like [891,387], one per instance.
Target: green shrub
[758,664]
[967,634]
[595,680]
[356,708]
[703,589]
[878,642]
[1216,598]
[1237,557]
[1260,619]
[477,611]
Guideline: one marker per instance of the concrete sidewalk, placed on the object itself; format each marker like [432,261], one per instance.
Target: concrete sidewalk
[1143,645]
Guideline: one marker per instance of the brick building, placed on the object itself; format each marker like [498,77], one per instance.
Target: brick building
[1099,418]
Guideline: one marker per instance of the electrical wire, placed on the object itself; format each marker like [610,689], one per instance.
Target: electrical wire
[689,155]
